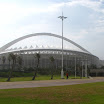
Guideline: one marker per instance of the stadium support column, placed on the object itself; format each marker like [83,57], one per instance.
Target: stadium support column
[86,68]
[62,18]
[82,68]
[75,66]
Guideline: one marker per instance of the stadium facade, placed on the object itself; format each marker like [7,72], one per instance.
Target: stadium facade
[72,58]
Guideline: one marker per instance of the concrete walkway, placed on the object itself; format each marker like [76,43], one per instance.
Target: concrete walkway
[46,83]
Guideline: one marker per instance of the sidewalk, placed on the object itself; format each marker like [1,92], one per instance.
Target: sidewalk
[46,83]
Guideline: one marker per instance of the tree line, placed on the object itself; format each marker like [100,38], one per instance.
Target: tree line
[13,59]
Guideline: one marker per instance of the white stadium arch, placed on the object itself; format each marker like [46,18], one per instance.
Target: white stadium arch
[3,48]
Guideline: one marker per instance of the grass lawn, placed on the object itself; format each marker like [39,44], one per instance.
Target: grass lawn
[39,77]
[92,93]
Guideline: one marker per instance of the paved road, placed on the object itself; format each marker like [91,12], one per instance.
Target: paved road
[46,83]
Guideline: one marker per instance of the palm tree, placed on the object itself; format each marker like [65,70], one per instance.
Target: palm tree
[37,55]
[9,59]
[13,57]
[52,61]
[80,71]
[3,60]
[19,61]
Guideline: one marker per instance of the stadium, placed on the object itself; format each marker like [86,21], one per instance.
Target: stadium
[47,45]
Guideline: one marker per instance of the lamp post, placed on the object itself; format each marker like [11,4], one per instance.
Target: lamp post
[62,18]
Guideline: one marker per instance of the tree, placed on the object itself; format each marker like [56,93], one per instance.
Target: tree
[13,57]
[37,55]
[93,66]
[3,60]
[79,68]
[52,61]
[9,59]
[19,61]
[80,72]
[102,67]
[88,71]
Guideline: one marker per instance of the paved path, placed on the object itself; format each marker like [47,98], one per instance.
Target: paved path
[46,83]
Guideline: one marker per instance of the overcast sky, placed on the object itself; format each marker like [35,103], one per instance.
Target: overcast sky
[84,25]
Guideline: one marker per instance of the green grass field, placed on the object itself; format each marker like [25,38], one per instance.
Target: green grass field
[39,77]
[92,93]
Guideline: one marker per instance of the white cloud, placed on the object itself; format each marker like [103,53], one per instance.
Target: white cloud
[95,5]
[12,12]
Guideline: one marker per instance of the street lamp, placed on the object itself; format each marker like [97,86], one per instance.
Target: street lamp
[62,18]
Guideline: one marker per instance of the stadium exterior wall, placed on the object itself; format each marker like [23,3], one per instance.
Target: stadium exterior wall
[29,59]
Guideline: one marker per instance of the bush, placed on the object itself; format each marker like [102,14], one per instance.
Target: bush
[15,74]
